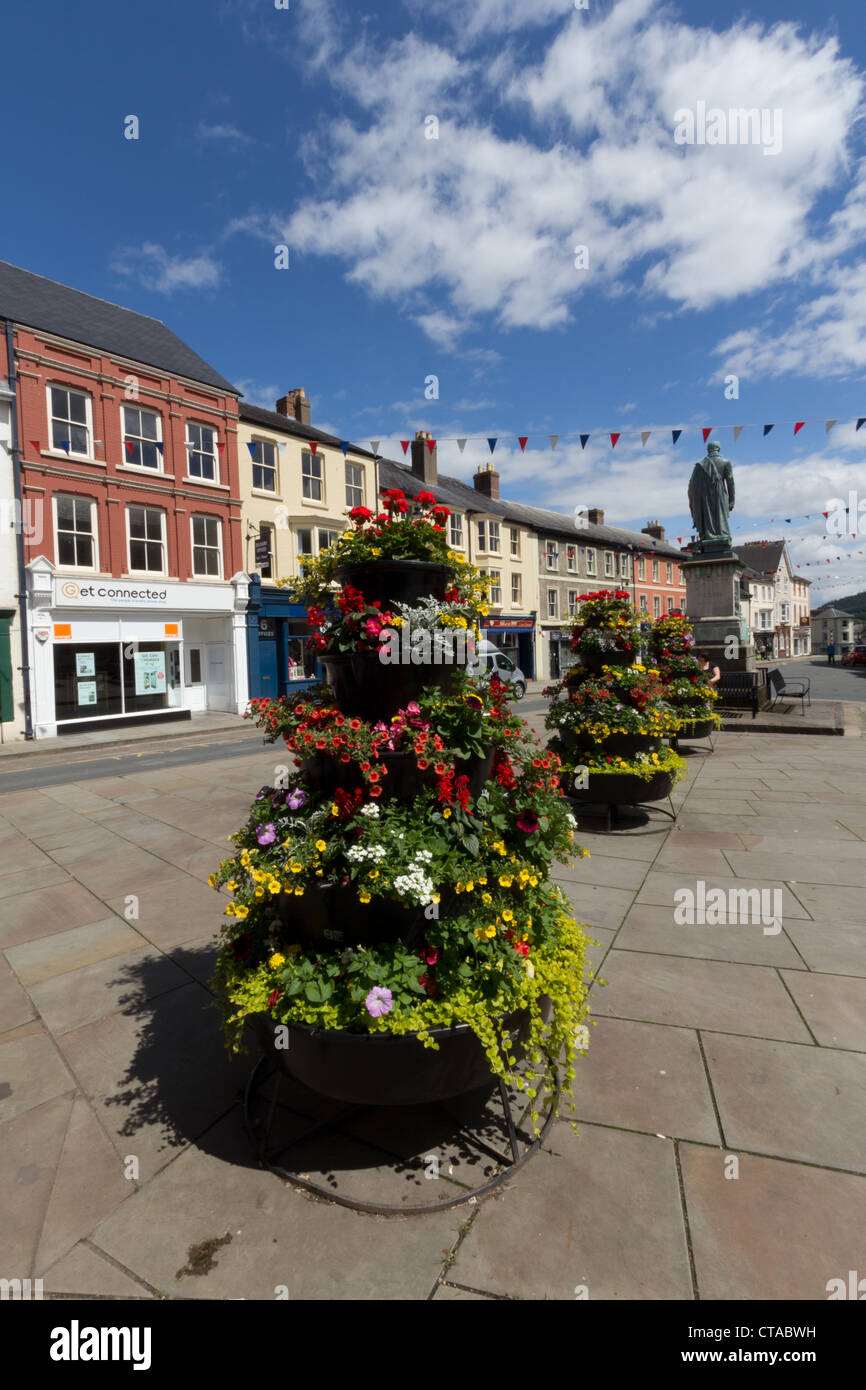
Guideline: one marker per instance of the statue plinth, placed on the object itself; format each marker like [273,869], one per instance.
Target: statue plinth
[712,578]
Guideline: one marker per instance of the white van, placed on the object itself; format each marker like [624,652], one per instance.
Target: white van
[488,658]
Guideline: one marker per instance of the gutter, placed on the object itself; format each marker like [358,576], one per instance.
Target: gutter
[22,571]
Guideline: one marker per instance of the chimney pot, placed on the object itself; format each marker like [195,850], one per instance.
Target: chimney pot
[486,481]
[425,463]
[295,405]
[653,529]
[595,516]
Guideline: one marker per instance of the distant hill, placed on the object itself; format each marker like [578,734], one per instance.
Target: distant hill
[855,604]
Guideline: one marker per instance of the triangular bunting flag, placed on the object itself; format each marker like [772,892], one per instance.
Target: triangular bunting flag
[861,421]
[64,444]
[252,449]
[644,436]
[522,441]
[827,428]
[554,440]
[676,434]
[128,447]
[344,445]
[282,447]
[461,445]
[767,429]
[160,446]
[798,426]
[492,443]
[738,430]
[36,445]
[613,439]
[220,446]
[374,445]
[313,446]
[404,445]
[706,432]
[583,439]
[431,444]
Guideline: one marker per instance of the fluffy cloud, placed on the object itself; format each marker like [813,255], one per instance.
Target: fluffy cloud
[156,269]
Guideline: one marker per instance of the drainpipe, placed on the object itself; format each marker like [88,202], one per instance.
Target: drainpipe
[22,572]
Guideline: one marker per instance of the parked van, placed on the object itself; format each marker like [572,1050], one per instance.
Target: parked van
[488,658]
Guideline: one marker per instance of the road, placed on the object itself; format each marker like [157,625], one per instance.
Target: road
[828,682]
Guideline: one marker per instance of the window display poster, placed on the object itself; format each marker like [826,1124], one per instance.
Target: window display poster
[149,673]
[85,664]
[87,692]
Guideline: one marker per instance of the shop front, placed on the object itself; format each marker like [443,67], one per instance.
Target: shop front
[516,638]
[112,652]
[279,656]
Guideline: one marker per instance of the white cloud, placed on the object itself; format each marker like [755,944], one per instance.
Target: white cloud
[228,133]
[156,269]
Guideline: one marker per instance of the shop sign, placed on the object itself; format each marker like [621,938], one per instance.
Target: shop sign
[149,672]
[107,594]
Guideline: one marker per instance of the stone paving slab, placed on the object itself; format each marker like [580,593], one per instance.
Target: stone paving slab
[835,947]
[792,1101]
[652,929]
[86,1272]
[48,956]
[74,1207]
[122,982]
[56,908]
[776,1231]
[32,1072]
[30,1148]
[834,1007]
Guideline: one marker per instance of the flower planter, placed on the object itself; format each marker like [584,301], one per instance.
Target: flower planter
[695,728]
[324,773]
[329,916]
[395,581]
[623,789]
[618,745]
[384,1068]
[367,688]
[595,660]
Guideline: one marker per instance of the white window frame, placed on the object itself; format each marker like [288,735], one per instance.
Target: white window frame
[206,516]
[515,542]
[354,487]
[655,571]
[255,463]
[623,565]
[215,456]
[455,530]
[553,603]
[88,421]
[642,604]
[482,537]
[495,591]
[551,551]
[141,439]
[572,602]
[590,562]
[494,539]
[516,590]
[641,568]
[670,605]
[657,606]
[94,532]
[315,460]
[160,511]
[669,572]
[571,558]
[609,565]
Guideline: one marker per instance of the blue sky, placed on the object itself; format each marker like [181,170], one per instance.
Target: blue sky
[454,257]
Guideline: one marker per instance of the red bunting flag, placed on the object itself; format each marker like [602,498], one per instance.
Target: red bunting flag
[128,446]
[522,440]
[613,439]
[431,444]
[404,445]
[313,446]
[706,432]
[36,445]
[798,426]
[220,446]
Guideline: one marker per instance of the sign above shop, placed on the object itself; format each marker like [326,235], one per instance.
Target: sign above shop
[522,624]
[106,593]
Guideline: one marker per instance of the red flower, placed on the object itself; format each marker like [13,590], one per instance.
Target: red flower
[273,997]
[427,498]
[360,514]
[527,821]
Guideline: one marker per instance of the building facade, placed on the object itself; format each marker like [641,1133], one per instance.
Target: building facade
[136,591]
[14,523]
[834,625]
[775,600]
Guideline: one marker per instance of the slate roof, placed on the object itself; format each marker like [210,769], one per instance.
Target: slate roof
[287,424]
[35,302]
[760,558]
[833,613]
[462,496]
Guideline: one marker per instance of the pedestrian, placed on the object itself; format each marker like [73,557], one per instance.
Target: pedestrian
[831,653]
[714,675]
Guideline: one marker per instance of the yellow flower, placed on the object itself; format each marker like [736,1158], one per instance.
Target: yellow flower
[499,846]
[486,898]
[491,931]
[446,813]
[230,910]
[374,873]
[299,892]
[212,880]
[245,858]
[364,896]
[231,885]
[241,911]
[508,915]
[321,846]
[296,868]
[479,933]
[506,880]
[470,886]
[276,960]
[335,810]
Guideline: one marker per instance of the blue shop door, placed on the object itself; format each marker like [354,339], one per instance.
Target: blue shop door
[270,687]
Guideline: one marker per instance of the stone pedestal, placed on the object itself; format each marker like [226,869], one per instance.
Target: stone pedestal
[712,578]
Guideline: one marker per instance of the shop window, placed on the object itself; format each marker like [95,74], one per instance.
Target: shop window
[141,435]
[311,478]
[145,529]
[75,532]
[70,420]
[87,680]
[354,485]
[264,457]
[206,552]
[202,460]
[148,671]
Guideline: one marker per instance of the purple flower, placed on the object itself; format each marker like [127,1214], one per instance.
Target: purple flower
[266,834]
[527,821]
[297,799]
[379,1001]
[262,793]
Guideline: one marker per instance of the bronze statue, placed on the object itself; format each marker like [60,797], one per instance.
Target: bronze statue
[711,497]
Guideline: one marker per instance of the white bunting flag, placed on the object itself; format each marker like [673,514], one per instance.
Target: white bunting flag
[461,445]
[554,440]
[374,445]
[829,425]
[738,430]
[644,436]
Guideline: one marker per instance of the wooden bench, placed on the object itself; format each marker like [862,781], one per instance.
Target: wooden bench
[783,691]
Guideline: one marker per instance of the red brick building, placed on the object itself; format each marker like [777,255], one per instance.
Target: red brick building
[127,445]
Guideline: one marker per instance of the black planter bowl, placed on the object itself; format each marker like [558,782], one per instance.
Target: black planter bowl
[595,660]
[621,745]
[384,1068]
[324,773]
[695,728]
[367,688]
[396,581]
[623,789]
[331,916]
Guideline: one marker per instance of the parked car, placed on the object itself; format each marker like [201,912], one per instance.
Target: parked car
[488,658]
[855,657]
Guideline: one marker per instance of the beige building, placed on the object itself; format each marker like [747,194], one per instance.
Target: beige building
[297,484]
[833,625]
[775,600]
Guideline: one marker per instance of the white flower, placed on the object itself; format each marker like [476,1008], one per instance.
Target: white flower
[371,809]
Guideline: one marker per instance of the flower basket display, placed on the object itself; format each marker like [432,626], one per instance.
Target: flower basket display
[390,905]
[686,686]
[608,717]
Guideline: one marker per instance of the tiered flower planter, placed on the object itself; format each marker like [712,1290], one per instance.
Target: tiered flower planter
[687,689]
